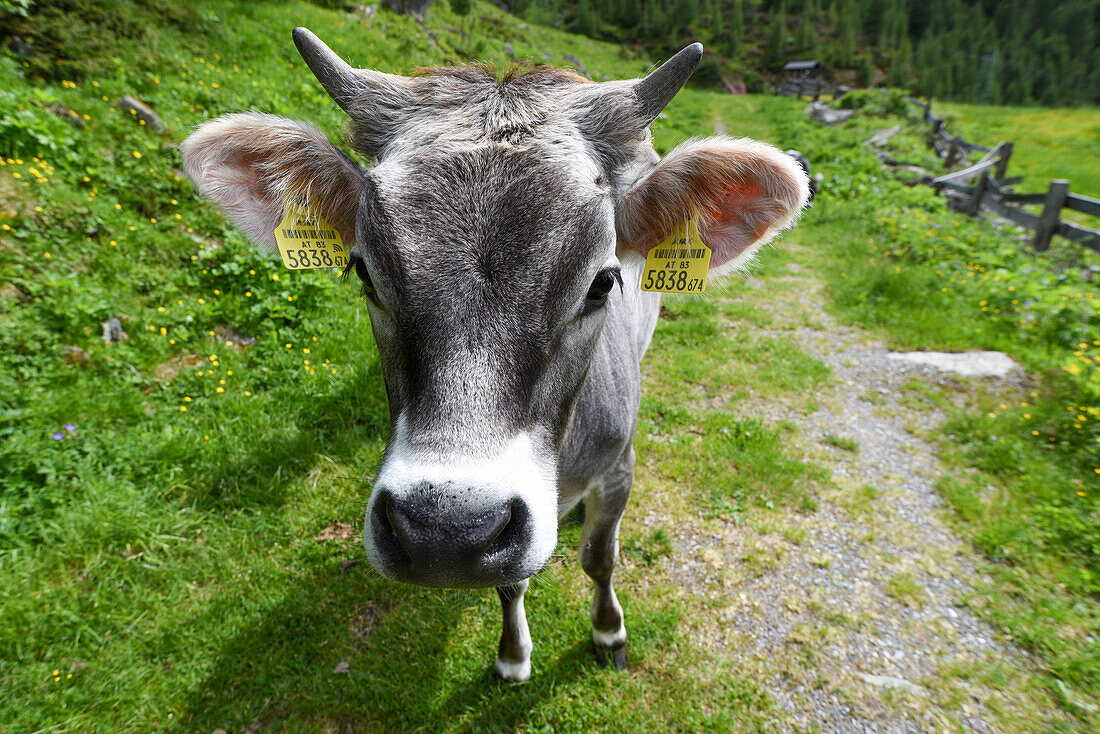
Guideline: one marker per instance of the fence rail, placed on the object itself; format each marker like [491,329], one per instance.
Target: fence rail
[811,87]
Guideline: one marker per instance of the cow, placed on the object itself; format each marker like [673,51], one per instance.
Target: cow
[500,234]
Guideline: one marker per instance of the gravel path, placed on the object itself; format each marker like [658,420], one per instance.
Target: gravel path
[851,616]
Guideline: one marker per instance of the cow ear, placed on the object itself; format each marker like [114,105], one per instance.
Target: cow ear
[744,191]
[251,165]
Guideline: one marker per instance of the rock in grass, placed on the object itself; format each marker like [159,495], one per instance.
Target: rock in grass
[142,111]
[113,332]
[234,338]
[820,112]
[67,114]
[8,292]
[881,137]
[75,355]
[13,200]
[967,364]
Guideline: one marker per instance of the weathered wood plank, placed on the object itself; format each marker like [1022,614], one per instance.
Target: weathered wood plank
[1048,220]
[1002,160]
[980,189]
[1090,238]
[1011,213]
[1024,198]
[965,174]
[955,186]
[1083,204]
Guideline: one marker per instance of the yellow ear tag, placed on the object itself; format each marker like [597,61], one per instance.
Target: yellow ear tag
[307,241]
[680,263]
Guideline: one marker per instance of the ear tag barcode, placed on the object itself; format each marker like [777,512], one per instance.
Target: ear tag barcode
[306,241]
[680,263]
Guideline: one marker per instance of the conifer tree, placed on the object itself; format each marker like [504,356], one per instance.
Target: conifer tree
[737,28]
[775,48]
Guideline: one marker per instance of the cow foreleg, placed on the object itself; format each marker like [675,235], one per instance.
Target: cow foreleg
[514,655]
[599,547]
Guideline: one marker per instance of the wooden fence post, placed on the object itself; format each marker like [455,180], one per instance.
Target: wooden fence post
[1048,220]
[974,206]
[1002,162]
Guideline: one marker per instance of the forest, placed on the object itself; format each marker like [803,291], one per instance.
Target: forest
[1025,52]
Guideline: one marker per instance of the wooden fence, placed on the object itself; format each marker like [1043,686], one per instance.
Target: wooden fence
[810,87]
[983,185]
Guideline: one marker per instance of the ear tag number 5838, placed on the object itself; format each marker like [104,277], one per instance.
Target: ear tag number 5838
[307,241]
[680,263]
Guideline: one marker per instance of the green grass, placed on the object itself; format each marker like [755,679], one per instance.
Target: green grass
[160,554]
[842,442]
[162,551]
[906,589]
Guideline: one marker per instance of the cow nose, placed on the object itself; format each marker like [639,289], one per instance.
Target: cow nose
[433,543]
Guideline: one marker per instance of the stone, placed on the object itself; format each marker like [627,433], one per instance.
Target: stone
[142,111]
[75,355]
[416,8]
[8,292]
[67,114]
[233,338]
[19,47]
[890,681]
[12,198]
[175,364]
[113,332]
[821,112]
[509,51]
[967,364]
[881,137]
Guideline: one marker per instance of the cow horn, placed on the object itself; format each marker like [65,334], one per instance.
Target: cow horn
[657,90]
[340,80]
[343,82]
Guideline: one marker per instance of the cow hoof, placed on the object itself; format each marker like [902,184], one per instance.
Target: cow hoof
[512,672]
[618,656]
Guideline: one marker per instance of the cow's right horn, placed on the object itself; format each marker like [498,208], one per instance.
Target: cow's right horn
[655,91]
[344,83]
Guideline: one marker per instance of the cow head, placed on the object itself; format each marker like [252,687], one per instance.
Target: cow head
[491,234]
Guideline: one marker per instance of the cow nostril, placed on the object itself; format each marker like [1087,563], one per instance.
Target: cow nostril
[510,531]
[385,536]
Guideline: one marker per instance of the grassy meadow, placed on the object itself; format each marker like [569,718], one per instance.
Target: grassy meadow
[1049,143]
[176,509]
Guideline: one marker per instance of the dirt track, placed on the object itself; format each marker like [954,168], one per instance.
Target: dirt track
[851,616]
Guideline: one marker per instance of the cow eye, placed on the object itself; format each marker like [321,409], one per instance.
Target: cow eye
[602,284]
[356,263]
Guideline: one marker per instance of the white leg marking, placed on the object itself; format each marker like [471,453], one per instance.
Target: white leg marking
[515,623]
[608,639]
[514,672]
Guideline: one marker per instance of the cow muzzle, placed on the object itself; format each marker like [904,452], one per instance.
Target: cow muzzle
[420,541]
[462,522]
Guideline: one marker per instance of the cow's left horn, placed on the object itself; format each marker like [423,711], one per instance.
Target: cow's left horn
[657,90]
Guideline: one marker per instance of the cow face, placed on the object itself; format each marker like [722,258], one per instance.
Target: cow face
[491,236]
